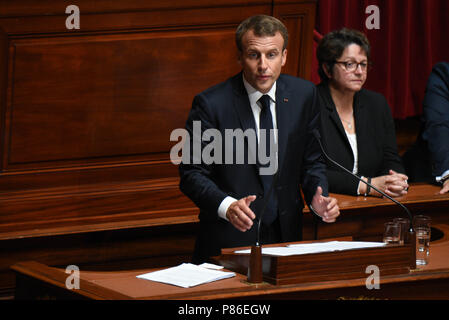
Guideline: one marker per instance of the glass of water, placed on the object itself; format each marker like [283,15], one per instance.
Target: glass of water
[392,233]
[405,225]
[422,229]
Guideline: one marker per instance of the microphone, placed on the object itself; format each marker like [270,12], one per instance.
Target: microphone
[255,273]
[318,138]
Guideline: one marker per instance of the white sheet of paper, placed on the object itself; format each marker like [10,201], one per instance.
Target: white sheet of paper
[186,275]
[307,248]
[211,266]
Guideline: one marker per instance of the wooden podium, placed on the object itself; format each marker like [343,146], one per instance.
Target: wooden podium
[325,266]
[35,280]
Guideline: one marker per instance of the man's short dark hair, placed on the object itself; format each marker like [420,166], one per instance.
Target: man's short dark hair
[333,44]
[262,26]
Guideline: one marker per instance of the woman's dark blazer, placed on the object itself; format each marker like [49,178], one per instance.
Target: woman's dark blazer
[376,139]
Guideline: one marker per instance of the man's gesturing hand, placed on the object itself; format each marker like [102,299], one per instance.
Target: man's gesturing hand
[326,207]
[240,215]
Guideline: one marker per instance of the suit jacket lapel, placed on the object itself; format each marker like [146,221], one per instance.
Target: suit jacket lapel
[245,114]
[246,117]
[333,115]
[282,119]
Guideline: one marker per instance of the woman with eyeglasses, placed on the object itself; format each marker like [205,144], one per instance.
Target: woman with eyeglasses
[357,127]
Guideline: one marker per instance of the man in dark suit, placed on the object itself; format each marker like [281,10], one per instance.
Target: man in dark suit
[432,144]
[428,159]
[436,122]
[231,195]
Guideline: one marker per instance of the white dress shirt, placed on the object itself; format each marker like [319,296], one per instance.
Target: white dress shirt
[445,173]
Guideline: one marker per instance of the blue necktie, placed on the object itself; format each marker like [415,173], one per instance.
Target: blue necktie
[266,123]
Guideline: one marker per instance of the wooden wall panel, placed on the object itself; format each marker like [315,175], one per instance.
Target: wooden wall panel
[298,18]
[107,96]
[86,117]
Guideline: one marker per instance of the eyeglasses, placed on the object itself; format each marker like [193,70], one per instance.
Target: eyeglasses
[352,66]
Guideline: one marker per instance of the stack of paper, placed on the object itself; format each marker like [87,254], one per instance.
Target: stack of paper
[186,275]
[317,247]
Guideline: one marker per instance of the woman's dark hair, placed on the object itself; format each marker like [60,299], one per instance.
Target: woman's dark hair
[261,25]
[333,44]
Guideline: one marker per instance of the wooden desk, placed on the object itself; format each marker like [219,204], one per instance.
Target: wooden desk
[35,280]
[363,217]
[169,240]
[419,196]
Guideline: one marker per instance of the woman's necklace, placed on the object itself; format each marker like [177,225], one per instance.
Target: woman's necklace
[348,123]
[351,116]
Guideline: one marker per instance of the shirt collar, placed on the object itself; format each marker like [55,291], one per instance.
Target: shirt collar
[254,95]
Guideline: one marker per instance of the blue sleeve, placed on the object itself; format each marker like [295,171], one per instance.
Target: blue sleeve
[436,117]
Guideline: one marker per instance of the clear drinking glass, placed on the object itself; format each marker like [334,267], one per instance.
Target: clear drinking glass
[422,224]
[405,225]
[392,233]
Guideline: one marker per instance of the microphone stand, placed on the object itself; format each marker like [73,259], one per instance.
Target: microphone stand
[255,273]
[411,231]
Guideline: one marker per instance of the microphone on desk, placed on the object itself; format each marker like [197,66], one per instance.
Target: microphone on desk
[318,138]
[255,274]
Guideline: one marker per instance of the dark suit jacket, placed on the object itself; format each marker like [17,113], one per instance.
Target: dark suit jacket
[429,155]
[226,106]
[436,118]
[376,139]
